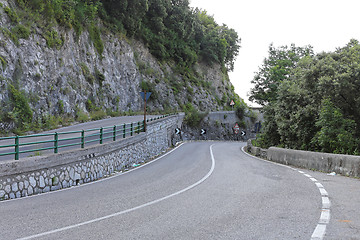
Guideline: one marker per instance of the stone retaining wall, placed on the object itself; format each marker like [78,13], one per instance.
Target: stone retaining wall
[42,174]
[342,164]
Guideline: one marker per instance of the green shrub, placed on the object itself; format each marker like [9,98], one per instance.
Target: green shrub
[240,112]
[193,117]
[3,62]
[53,40]
[100,77]
[50,122]
[90,106]
[61,106]
[94,33]
[86,72]
[97,115]
[12,14]
[337,133]
[21,112]
[21,31]
[82,116]
[149,87]
[11,35]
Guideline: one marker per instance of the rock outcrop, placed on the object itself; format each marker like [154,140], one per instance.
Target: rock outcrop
[72,76]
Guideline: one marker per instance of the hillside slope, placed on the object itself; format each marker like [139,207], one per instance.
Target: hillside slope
[69,77]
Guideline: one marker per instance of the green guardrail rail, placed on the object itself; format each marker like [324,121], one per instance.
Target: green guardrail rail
[59,140]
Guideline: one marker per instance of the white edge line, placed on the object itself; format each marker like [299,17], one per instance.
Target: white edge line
[325,216]
[320,229]
[325,202]
[313,179]
[131,209]
[323,192]
[319,232]
[114,175]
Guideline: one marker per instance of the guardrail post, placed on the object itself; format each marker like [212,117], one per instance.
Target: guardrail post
[124,130]
[131,129]
[101,135]
[56,142]
[114,132]
[82,139]
[138,128]
[17,148]
[143,123]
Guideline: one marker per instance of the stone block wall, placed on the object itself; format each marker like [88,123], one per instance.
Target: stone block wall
[42,174]
[347,165]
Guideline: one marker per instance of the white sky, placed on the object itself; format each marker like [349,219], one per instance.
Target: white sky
[323,24]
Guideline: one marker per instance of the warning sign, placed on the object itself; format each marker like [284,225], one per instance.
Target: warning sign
[236,128]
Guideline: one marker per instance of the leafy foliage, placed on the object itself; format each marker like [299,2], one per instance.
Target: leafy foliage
[174,31]
[336,134]
[21,112]
[275,69]
[193,117]
[294,117]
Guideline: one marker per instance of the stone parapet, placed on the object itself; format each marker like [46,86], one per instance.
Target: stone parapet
[41,174]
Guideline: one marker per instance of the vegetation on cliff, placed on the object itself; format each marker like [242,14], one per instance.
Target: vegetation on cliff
[311,101]
[179,37]
[170,28]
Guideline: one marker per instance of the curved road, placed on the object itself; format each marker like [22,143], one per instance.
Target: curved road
[201,190]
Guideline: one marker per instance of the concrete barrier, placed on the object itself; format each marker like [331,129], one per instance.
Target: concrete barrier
[347,165]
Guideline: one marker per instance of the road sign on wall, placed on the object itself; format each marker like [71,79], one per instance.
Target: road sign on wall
[236,128]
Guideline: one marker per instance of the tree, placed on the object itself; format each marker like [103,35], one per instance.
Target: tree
[276,68]
[337,134]
[129,12]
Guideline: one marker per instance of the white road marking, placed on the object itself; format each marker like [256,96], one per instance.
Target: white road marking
[320,229]
[131,209]
[326,203]
[319,232]
[323,192]
[116,174]
[325,216]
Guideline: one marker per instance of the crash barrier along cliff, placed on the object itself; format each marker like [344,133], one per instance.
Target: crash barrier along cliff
[40,174]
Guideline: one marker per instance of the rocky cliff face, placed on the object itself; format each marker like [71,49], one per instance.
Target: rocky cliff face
[72,76]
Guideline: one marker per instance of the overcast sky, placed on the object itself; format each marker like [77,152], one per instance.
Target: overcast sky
[323,24]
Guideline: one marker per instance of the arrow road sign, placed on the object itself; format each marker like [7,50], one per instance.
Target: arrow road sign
[203,131]
[177,131]
[243,133]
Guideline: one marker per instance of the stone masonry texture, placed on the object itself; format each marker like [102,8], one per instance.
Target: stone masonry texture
[49,173]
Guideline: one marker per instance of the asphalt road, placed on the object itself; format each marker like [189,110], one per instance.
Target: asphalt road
[108,122]
[201,190]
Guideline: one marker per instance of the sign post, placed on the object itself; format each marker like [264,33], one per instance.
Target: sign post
[145,96]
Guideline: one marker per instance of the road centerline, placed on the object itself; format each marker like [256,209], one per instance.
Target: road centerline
[131,209]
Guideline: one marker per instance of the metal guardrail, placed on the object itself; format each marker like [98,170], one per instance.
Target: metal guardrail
[58,140]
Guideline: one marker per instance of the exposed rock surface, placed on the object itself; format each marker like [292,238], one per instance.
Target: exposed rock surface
[62,80]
